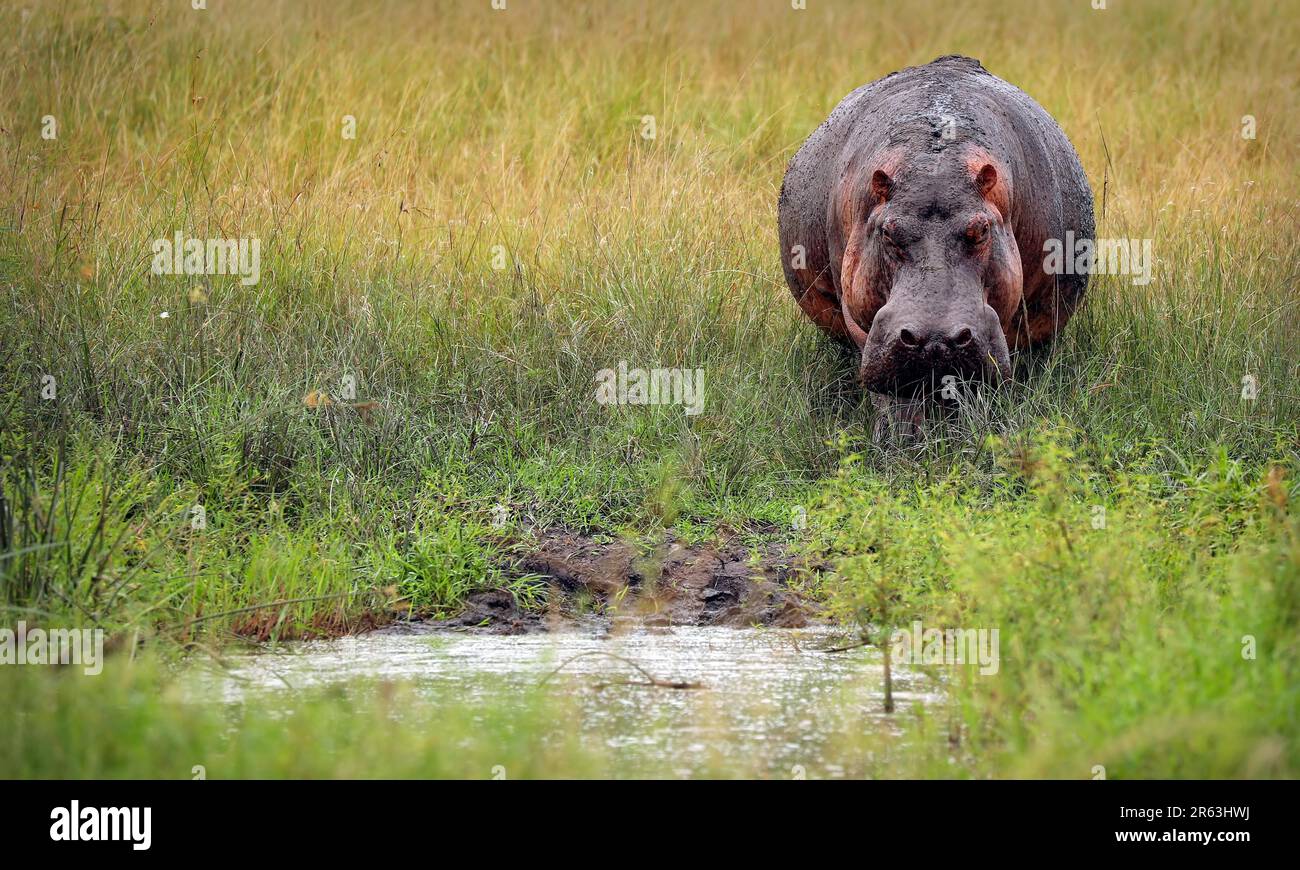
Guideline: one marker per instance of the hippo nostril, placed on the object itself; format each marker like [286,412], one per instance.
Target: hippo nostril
[962,338]
[907,337]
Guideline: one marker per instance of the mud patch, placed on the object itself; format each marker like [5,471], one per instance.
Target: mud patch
[610,580]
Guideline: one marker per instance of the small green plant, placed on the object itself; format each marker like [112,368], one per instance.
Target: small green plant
[444,559]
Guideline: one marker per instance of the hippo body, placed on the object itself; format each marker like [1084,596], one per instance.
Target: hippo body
[913,220]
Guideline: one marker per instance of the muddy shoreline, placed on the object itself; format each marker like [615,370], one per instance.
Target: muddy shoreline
[607,580]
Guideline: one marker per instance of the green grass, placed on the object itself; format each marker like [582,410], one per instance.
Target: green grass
[362,730]
[523,131]
[1147,624]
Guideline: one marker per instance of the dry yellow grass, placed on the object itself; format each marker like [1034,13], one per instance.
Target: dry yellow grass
[526,123]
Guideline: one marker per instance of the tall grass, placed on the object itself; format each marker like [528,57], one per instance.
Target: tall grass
[1148,626]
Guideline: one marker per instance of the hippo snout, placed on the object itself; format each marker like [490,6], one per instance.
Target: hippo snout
[906,353]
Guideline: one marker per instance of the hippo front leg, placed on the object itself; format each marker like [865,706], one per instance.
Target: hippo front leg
[898,420]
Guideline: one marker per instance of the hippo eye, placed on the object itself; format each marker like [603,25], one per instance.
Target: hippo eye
[977,230]
[887,236]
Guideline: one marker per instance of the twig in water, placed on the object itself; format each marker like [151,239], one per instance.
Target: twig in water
[650,679]
[838,649]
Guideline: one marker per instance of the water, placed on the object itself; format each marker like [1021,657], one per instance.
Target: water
[770,702]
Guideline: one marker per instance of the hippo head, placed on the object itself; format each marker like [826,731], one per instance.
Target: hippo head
[933,272]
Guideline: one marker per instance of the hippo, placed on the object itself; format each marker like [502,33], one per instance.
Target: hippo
[913,223]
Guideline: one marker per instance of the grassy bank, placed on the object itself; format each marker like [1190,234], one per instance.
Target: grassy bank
[1150,627]
[500,229]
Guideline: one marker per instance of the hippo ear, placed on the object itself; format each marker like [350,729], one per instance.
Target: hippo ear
[992,188]
[881,186]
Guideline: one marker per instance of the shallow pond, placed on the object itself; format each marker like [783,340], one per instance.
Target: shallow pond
[766,701]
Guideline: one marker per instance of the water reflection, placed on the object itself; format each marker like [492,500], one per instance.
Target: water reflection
[769,699]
